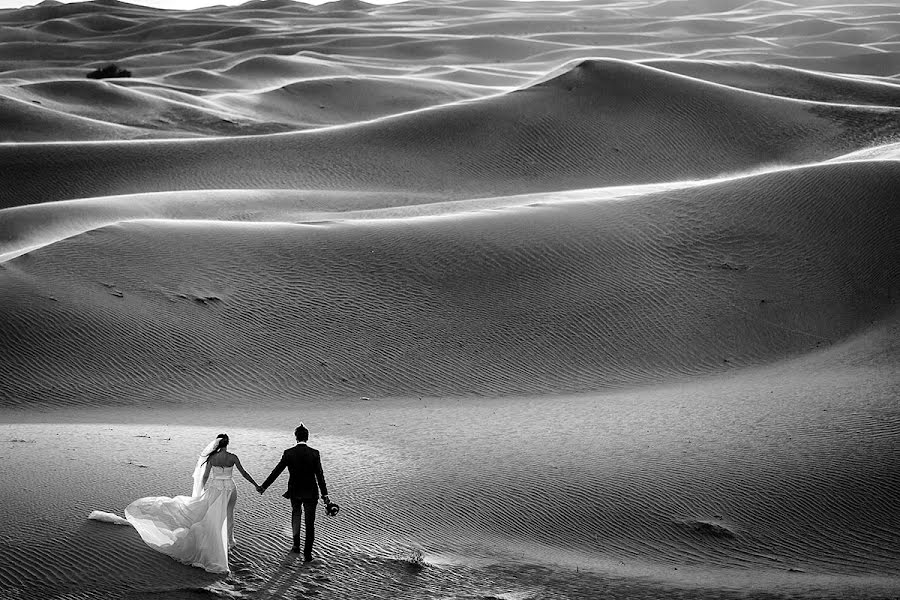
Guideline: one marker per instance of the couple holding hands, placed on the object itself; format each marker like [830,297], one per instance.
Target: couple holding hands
[199,530]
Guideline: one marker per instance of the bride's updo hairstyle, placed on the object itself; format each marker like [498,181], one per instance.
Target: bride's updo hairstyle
[223,443]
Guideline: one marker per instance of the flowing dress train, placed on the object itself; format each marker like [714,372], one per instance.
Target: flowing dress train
[194,530]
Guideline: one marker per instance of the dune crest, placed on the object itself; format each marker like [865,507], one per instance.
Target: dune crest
[777,284]
[853,40]
[601,123]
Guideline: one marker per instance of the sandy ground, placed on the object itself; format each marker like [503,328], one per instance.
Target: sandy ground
[578,301]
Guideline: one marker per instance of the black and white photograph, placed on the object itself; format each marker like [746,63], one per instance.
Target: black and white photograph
[450,300]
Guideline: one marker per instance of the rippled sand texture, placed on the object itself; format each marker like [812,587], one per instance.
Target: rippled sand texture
[278,65]
[579,300]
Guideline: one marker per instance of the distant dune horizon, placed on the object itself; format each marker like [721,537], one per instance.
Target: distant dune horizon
[578,300]
[181,4]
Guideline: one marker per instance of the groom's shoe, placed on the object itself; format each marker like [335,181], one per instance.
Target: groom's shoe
[295,549]
[307,558]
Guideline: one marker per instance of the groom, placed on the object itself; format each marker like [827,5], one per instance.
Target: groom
[305,468]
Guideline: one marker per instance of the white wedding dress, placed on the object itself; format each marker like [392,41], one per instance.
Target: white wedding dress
[196,530]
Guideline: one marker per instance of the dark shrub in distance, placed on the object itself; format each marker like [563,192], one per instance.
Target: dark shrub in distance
[108,71]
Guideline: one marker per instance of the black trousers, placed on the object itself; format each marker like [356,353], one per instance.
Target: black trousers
[297,506]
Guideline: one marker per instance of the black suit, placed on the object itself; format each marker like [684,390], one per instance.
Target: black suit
[306,480]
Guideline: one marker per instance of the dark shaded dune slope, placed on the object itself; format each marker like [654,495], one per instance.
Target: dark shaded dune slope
[145,110]
[337,100]
[604,122]
[559,297]
[16,34]
[88,94]
[30,122]
[16,54]
[786,81]
[458,48]
[187,32]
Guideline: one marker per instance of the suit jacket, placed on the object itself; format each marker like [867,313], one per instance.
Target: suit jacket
[305,468]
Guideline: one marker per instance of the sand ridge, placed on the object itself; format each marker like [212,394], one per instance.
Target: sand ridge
[529,40]
[727,303]
[580,300]
[601,122]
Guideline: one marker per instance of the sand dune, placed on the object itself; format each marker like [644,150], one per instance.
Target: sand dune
[146,110]
[14,34]
[269,70]
[601,122]
[32,121]
[579,300]
[539,294]
[844,38]
[655,523]
[341,100]
[786,81]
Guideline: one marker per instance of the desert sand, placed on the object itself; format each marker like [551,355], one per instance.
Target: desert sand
[578,300]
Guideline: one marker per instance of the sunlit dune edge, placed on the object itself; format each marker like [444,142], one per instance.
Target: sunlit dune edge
[31,227]
[741,278]
[266,58]
[588,127]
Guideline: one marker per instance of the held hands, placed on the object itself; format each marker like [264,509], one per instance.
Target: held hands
[260,489]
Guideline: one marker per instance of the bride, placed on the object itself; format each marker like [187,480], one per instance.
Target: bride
[196,530]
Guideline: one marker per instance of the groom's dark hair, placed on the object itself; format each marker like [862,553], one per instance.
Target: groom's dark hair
[301,433]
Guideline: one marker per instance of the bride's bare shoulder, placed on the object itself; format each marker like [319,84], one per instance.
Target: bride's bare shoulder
[223,459]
